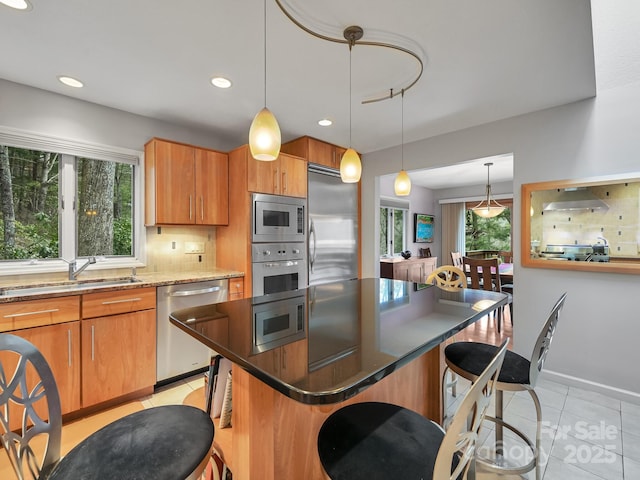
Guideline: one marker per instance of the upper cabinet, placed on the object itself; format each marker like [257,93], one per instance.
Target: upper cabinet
[315,151]
[185,185]
[287,175]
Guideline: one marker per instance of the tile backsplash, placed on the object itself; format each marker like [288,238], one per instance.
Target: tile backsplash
[619,224]
[167,252]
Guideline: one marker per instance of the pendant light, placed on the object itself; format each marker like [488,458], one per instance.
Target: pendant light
[350,166]
[488,208]
[264,134]
[402,185]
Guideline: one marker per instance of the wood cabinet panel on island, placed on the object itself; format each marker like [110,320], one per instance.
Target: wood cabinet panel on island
[118,344]
[185,185]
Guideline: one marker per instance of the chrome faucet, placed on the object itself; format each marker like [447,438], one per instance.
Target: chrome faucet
[605,240]
[73,273]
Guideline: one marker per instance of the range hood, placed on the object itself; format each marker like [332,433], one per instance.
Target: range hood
[578,198]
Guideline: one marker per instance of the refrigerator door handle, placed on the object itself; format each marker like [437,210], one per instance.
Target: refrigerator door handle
[312,254]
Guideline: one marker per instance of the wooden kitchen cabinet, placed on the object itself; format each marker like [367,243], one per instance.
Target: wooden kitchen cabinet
[411,270]
[185,185]
[53,326]
[118,344]
[60,346]
[287,175]
[315,151]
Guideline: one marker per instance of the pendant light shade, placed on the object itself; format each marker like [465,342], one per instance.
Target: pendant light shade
[488,208]
[350,167]
[264,133]
[264,136]
[402,185]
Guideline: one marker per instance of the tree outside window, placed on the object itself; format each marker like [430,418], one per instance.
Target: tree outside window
[34,199]
[492,234]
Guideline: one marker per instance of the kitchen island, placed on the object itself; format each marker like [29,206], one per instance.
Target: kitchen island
[301,355]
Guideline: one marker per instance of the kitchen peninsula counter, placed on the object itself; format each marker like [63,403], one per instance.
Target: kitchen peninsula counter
[362,340]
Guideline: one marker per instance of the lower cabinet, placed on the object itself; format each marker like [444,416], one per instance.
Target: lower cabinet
[60,346]
[118,343]
[118,355]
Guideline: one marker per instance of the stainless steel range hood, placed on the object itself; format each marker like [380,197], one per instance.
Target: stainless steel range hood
[579,198]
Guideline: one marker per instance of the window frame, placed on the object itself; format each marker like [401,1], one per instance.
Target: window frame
[392,204]
[69,150]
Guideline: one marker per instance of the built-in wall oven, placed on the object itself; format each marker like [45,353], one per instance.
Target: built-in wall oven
[278,249]
[278,267]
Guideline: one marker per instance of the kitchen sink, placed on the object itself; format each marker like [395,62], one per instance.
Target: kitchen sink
[68,286]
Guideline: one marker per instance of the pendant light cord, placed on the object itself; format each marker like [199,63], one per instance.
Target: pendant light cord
[265,52]
[350,81]
[402,129]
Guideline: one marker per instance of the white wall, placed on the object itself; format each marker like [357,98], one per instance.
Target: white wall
[51,114]
[421,200]
[597,339]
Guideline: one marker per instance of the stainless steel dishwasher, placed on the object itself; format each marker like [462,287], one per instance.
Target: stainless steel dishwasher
[179,354]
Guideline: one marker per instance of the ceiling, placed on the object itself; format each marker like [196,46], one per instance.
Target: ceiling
[483,61]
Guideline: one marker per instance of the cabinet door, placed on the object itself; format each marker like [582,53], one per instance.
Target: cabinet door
[175,193]
[212,187]
[60,346]
[293,176]
[118,355]
[401,271]
[321,153]
[263,177]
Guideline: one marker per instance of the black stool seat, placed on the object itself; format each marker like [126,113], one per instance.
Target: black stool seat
[168,442]
[404,443]
[473,357]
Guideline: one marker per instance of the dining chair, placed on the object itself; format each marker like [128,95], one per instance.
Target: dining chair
[166,442]
[484,274]
[469,360]
[456,259]
[380,440]
[448,277]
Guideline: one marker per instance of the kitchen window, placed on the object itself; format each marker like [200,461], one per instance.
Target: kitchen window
[66,200]
[394,217]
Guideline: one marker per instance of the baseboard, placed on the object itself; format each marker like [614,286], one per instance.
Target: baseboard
[620,394]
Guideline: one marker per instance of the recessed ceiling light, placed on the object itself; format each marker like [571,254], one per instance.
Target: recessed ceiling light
[325,122]
[221,82]
[17,4]
[71,82]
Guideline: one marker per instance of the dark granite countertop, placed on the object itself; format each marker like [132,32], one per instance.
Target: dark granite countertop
[354,332]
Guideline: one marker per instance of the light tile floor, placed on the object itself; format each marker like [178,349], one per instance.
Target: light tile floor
[585,435]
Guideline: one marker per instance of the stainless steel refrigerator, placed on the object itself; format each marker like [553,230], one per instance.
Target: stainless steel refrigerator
[333,227]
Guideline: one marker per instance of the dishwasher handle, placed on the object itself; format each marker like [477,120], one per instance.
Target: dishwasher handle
[188,293]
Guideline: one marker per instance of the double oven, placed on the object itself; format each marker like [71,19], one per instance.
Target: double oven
[278,253]
[279,270]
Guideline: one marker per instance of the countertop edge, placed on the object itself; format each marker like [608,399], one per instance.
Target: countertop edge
[142,281]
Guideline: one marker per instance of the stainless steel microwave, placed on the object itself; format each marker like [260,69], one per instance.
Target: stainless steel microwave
[278,322]
[278,219]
